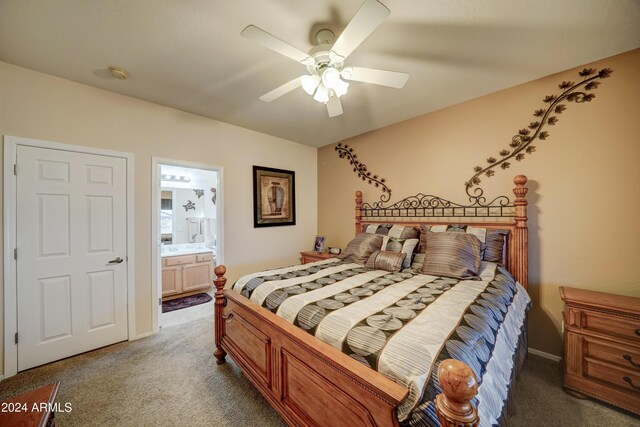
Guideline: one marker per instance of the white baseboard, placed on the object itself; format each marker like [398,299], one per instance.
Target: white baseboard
[544,354]
[1,377]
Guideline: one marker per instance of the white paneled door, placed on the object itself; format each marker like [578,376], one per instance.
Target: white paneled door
[71,253]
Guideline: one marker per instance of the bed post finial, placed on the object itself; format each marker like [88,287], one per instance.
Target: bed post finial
[358,212]
[219,281]
[459,387]
[520,259]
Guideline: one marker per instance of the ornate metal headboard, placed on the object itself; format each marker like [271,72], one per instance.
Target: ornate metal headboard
[500,212]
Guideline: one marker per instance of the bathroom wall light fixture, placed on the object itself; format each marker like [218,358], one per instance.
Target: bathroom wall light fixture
[175,178]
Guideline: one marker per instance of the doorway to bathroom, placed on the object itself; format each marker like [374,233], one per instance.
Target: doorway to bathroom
[187,239]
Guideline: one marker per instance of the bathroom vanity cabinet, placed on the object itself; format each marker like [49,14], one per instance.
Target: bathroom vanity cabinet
[185,274]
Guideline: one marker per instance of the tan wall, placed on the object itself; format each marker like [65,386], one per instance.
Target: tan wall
[584,190]
[40,106]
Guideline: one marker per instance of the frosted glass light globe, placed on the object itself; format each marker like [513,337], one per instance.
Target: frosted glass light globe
[330,77]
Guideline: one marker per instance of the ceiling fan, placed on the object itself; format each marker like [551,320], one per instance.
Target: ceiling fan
[328,77]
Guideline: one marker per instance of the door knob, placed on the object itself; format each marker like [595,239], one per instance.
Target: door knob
[116,261]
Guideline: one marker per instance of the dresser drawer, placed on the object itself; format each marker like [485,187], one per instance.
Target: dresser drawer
[623,356]
[179,260]
[204,257]
[612,375]
[610,325]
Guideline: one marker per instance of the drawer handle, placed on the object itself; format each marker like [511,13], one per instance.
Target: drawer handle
[638,332]
[628,359]
[628,380]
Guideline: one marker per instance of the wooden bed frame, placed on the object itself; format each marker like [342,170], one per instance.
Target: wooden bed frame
[311,383]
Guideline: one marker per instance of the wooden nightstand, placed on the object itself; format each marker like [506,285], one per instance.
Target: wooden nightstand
[34,408]
[602,346]
[312,256]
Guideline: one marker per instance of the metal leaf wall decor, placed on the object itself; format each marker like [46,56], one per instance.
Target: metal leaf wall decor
[360,169]
[522,143]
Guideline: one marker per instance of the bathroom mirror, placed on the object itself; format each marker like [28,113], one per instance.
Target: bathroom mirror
[182,216]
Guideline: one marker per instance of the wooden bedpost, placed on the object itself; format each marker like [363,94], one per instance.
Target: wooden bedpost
[358,212]
[459,386]
[219,281]
[520,259]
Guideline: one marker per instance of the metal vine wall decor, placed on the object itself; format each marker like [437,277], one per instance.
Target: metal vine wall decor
[360,169]
[522,142]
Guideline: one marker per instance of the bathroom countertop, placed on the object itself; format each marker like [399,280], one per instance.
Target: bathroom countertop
[186,252]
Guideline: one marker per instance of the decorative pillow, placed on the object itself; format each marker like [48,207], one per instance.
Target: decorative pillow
[378,229]
[452,255]
[393,230]
[418,260]
[361,247]
[492,239]
[386,260]
[424,229]
[494,245]
[406,246]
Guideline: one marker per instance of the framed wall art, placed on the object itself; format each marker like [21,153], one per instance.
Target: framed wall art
[274,197]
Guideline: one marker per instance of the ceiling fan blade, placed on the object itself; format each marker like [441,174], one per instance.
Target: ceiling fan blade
[334,106]
[270,41]
[377,77]
[366,20]
[282,90]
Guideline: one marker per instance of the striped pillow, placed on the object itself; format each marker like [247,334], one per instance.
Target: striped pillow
[452,255]
[494,245]
[492,239]
[385,260]
[361,247]
[406,246]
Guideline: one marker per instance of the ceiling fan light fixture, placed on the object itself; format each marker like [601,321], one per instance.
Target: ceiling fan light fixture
[310,83]
[341,88]
[330,77]
[327,79]
[322,94]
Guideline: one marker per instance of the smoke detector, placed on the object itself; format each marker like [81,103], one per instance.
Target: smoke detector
[118,73]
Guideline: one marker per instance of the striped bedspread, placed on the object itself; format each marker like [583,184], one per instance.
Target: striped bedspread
[402,324]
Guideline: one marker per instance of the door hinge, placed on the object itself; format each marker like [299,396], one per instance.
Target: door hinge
[160,301]
[15,169]
[16,338]
[15,254]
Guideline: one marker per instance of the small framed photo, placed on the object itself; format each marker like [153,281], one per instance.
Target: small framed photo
[319,244]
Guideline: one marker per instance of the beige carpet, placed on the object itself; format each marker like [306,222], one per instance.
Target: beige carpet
[172,379]
[168,379]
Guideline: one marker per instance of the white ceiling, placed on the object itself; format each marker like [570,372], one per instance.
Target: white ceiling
[188,54]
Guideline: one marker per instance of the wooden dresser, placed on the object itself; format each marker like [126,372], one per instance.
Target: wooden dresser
[602,346]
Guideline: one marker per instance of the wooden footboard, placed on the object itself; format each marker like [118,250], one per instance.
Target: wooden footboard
[311,383]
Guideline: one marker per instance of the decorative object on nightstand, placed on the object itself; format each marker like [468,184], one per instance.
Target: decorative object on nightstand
[602,347]
[313,256]
[334,251]
[319,244]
